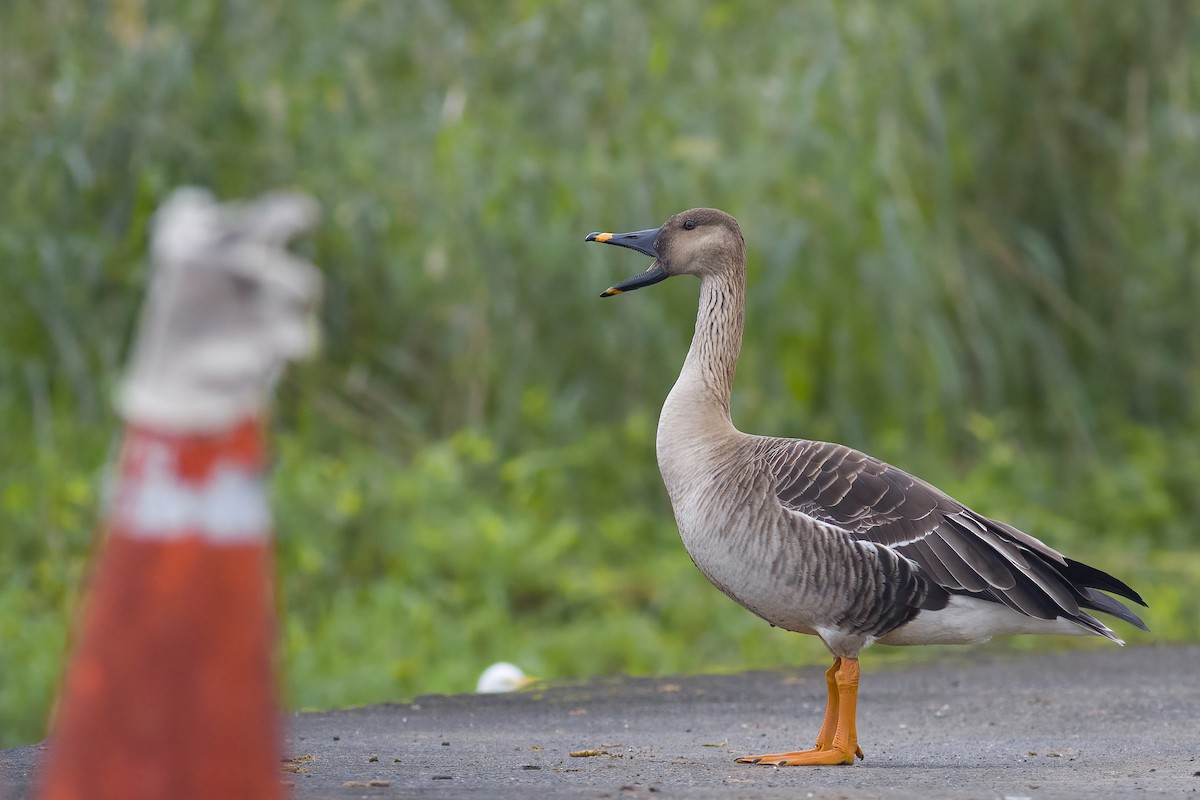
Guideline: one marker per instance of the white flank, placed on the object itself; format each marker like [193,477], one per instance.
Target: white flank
[966,620]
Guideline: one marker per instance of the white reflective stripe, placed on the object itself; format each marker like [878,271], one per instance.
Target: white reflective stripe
[229,508]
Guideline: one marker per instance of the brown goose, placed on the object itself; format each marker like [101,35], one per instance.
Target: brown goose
[821,539]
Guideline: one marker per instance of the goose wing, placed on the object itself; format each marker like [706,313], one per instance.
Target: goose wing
[956,548]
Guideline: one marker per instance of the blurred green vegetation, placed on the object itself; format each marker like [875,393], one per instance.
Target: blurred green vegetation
[972,226]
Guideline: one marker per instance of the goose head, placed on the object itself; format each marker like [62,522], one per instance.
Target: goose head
[701,242]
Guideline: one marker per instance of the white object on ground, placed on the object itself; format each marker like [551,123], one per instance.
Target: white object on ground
[502,677]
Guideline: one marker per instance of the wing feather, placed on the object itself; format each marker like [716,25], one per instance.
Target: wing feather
[954,547]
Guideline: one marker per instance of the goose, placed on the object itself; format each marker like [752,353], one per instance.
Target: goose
[820,539]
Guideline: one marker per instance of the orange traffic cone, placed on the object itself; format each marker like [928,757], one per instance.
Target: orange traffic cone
[171,690]
[170,693]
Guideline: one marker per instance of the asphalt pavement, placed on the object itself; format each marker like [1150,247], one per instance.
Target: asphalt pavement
[1087,723]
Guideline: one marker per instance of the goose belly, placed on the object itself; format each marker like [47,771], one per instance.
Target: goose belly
[760,569]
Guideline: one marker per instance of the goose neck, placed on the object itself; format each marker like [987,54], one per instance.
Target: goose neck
[712,359]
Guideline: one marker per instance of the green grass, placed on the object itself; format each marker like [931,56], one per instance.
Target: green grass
[972,229]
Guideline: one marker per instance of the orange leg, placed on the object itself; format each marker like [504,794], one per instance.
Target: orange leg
[837,743]
[829,724]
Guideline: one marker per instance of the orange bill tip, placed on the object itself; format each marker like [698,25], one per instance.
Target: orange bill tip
[603,237]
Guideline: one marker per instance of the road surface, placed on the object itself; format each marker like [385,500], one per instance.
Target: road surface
[1087,723]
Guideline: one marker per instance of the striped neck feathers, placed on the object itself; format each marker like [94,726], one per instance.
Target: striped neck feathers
[706,381]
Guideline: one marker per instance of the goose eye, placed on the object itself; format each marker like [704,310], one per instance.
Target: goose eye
[689,224]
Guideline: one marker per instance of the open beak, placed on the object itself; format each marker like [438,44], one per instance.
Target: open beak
[643,242]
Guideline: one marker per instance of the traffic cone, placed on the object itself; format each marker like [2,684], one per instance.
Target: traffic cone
[170,692]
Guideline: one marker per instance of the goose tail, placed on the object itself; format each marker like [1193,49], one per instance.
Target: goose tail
[1087,580]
